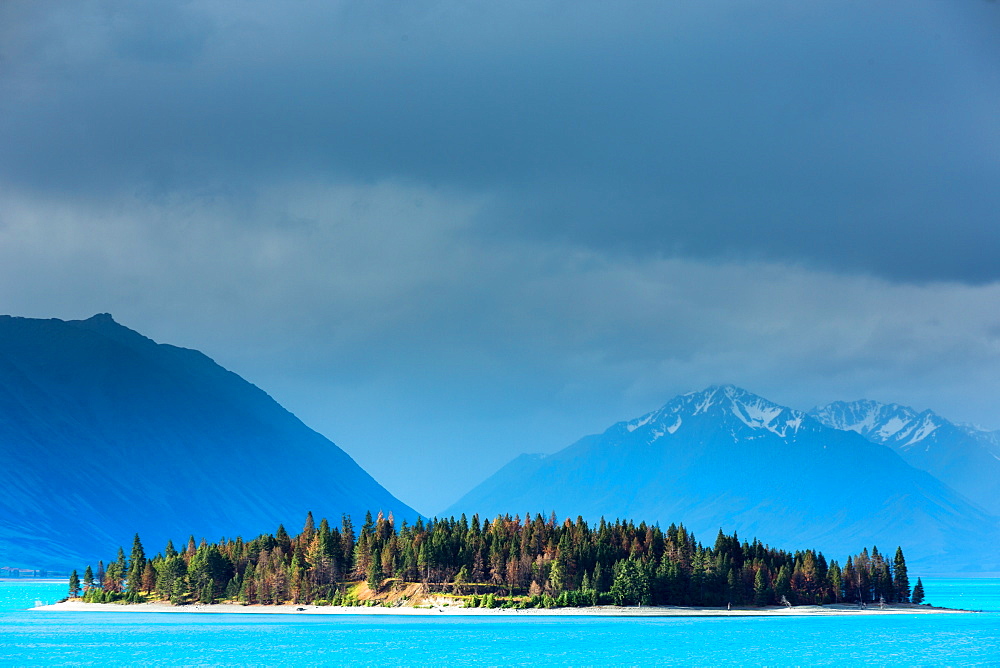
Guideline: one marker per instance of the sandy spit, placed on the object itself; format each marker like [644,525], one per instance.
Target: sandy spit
[444,610]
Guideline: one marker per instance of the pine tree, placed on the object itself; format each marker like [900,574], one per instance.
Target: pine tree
[557,577]
[761,591]
[918,593]
[374,571]
[178,594]
[169,550]
[208,593]
[148,577]
[138,554]
[836,582]
[885,584]
[347,543]
[308,529]
[136,565]
[74,584]
[782,583]
[631,585]
[114,577]
[88,578]
[599,580]
[901,580]
[232,591]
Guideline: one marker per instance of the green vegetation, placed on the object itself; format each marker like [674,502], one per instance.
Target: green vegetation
[507,562]
[918,592]
[74,584]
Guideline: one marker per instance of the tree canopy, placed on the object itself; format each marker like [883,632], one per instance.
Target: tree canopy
[529,561]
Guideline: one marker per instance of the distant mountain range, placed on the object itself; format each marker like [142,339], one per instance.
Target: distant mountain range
[104,432]
[725,457]
[965,458]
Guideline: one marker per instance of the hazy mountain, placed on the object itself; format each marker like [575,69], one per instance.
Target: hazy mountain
[104,433]
[727,458]
[963,457]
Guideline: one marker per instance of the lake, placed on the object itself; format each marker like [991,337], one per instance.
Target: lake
[110,639]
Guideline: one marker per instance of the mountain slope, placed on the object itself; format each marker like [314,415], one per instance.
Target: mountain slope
[104,433]
[961,457]
[727,458]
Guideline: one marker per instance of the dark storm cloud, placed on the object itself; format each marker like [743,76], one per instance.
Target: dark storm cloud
[857,138]
[445,232]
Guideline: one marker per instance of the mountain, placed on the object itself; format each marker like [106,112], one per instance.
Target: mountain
[104,433]
[963,457]
[727,458]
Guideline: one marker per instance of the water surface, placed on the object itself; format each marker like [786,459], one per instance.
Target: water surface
[49,638]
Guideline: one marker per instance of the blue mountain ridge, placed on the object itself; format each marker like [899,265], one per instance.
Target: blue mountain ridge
[964,458]
[726,458]
[104,433]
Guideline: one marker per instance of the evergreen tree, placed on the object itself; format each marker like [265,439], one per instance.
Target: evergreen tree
[207,595]
[761,590]
[74,584]
[138,554]
[137,564]
[836,582]
[554,564]
[232,591]
[308,529]
[885,584]
[901,580]
[631,585]
[88,578]
[600,581]
[169,550]
[918,593]
[557,577]
[347,543]
[114,577]
[178,593]
[122,562]
[782,583]
[374,571]
[148,577]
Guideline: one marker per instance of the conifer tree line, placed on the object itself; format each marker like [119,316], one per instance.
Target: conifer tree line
[506,561]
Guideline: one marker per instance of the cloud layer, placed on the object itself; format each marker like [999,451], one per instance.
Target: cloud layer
[445,234]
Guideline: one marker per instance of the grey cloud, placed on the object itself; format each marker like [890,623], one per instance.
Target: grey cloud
[375,315]
[856,139]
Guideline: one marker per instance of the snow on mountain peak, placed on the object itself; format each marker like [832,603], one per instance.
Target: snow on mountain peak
[726,402]
[887,424]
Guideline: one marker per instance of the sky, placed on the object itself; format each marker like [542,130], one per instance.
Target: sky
[446,233]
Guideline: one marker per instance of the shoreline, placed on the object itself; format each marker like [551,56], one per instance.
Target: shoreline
[838,610]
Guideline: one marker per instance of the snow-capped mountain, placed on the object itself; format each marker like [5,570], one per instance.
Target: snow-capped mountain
[726,402]
[725,457]
[961,456]
[890,424]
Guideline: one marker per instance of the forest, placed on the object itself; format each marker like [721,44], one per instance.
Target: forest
[506,562]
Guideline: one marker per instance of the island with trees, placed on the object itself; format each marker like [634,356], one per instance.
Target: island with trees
[506,562]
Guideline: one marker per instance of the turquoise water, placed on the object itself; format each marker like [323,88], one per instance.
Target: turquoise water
[111,639]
